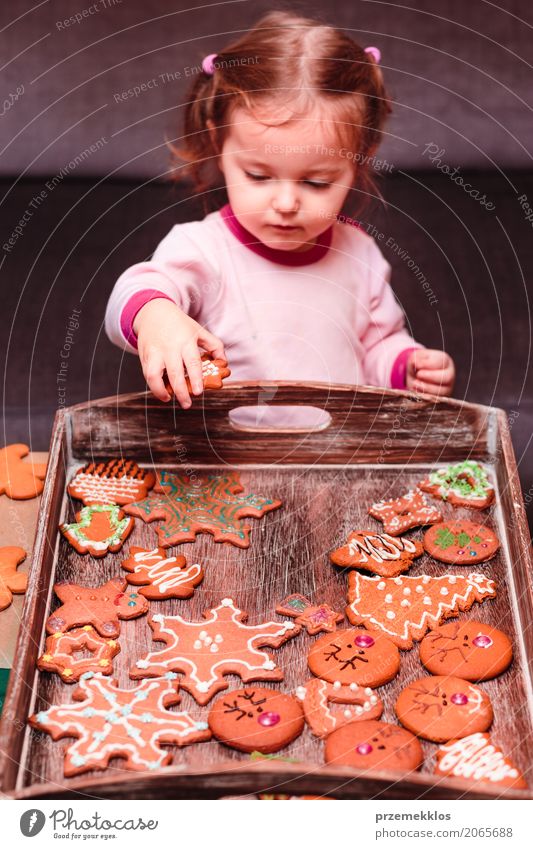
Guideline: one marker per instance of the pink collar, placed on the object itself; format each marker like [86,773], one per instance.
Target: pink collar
[246,238]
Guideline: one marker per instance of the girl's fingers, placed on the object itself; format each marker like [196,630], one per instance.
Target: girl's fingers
[193,364]
[435,375]
[430,359]
[431,388]
[176,378]
[212,344]
[153,368]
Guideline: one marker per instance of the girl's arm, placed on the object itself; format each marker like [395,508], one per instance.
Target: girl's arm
[152,312]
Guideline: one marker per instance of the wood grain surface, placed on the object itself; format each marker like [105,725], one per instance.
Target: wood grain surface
[323,498]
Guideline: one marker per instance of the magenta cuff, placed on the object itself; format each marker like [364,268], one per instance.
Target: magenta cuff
[132,307]
[399,369]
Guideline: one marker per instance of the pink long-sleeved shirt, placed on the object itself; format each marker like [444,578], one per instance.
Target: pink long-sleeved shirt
[327,314]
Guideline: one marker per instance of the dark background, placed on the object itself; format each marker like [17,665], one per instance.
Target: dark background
[460,75]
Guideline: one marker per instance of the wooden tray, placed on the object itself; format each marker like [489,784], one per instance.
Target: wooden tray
[378,444]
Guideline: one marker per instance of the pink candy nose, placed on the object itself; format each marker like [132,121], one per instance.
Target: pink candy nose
[459,699]
[269,718]
[482,641]
[364,641]
[363,749]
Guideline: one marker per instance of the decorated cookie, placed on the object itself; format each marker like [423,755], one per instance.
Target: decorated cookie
[316,695]
[313,617]
[160,576]
[405,608]
[110,722]
[379,553]
[98,530]
[463,484]
[409,511]
[466,649]
[461,543]
[61,650]
[221,644]
[11,581]
[111,482]
[256,719]
[477,758]
[20,480]
[214,371]
[101,607]
[374,745]
[442,708]
[354,656]
[209,504]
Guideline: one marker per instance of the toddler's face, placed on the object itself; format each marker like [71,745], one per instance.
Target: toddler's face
[285,184]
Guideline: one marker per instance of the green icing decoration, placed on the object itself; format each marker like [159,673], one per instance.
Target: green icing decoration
[444,538]
[449,480]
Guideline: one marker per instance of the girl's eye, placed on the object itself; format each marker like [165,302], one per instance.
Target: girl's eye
[317,185]
[255,176]
[262,177]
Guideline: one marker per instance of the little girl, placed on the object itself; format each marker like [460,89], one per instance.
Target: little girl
[291,114]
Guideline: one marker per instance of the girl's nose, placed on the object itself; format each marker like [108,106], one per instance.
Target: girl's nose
[285,198]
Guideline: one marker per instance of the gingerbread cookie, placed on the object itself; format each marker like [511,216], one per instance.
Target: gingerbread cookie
[409,511]
[98,530]
[256,719]
[101,607]
[209,504]
[461,543]
[354,656]
[477,758]
[442,708]
[110,722]
[111,482]
[374,745]
[379,553]
[214,371]
[160,576]
[313,617]
[61,649]
[463,484]
[20,480]
[11,581]
[467,649]
[221,644]
[316,695]
[405,608]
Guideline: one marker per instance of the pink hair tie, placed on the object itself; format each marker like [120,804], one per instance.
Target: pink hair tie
[208,64]
[375,52]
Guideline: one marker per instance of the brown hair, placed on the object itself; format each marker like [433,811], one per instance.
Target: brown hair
[301,61]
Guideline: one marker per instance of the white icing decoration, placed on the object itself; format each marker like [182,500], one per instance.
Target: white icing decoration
[474,757]
[391,614]
[388,598]
[444,591]
[379,547]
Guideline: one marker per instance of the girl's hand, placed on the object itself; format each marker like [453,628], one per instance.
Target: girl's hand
[430,371]
[168,339]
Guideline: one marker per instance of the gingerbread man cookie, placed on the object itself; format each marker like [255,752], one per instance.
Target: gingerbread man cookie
[11,581]
[354,656]
[374,745]
[477,758]
[210,504]
[381,554]
[110,722]
[111,482]
[313,617]
[20,480]
[316,695]
[160,576]
[442,708]
[463,484]
[98,529]
[214,371]
[467,649]
[409,511]
[405,608]
[101,607]
[256,719]
[219,645]
[61,650]
[461,543]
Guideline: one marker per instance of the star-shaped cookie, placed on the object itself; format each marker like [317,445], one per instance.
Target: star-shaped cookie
[313,617]
[208,504]
[408,511]
[101,607]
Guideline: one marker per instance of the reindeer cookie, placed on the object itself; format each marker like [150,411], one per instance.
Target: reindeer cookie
[374,745]
[256,719]
[467,649]
[442,708]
